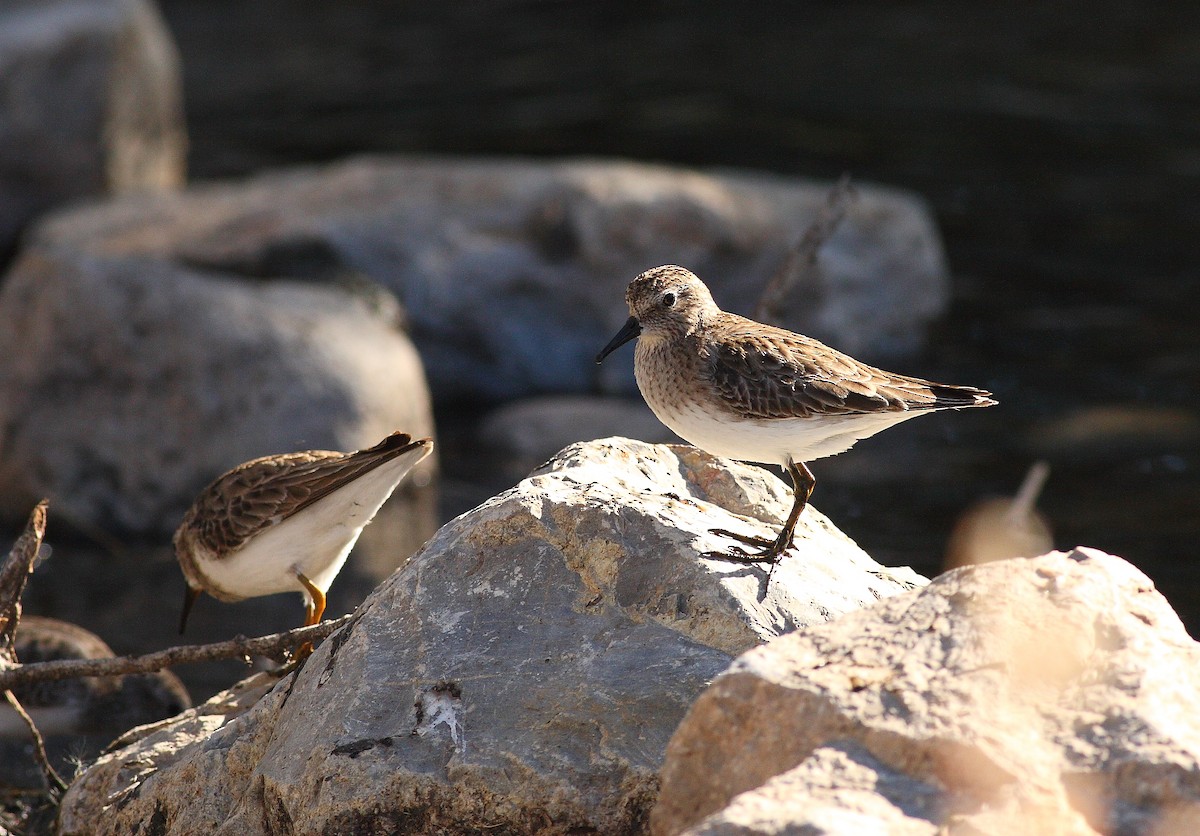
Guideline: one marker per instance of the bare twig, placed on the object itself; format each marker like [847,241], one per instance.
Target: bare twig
[13,575]
[53,779]
[181,655]
[801,261]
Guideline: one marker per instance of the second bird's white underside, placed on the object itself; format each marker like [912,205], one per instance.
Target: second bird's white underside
[773,440]
[315,541]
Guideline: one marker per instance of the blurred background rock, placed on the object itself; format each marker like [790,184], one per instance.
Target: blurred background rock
[90,103]
[1054,149]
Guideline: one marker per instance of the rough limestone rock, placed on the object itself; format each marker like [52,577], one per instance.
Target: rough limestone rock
[1048,695]
[513,272]
[521,674]
[128,384]
[90,102]
[838,789]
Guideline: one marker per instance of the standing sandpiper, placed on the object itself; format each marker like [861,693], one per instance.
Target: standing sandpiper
[287,522]
[748,391]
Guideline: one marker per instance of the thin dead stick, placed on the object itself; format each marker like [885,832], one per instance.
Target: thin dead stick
[39,744]
[801,260]
[15,572]
[182,655]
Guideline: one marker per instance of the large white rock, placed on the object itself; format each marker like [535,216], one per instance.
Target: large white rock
[90,102]
[522,673]
[1047,695]
[513,272]
[127,384]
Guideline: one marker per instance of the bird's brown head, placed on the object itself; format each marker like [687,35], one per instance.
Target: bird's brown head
[664,302]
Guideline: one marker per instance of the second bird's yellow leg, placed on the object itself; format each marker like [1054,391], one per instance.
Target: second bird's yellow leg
[313,610]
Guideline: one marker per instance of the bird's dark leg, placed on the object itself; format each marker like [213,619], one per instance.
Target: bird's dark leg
[803,483]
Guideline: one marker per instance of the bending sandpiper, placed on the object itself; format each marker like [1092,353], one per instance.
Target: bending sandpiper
[287,522]
[740,389]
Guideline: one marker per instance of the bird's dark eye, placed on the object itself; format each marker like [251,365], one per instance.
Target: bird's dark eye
[668,300]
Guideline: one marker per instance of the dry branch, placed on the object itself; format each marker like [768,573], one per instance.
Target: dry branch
[13,575]
[801,261]
[240,646]
[53,779]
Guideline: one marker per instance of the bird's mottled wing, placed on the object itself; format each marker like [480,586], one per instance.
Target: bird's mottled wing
[261,493]
[765,372]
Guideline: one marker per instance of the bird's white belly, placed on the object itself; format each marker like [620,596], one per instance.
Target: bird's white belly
[772,440]
[316,545]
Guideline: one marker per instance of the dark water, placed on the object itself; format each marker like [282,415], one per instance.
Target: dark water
[1104,392]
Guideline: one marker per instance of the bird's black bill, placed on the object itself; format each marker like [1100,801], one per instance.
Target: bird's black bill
[629,331]
[189,598]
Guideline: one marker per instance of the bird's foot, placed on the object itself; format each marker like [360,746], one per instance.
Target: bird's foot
[771,549]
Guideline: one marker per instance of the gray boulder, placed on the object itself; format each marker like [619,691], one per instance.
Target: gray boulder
[129,383]
[1044,695]
[513,272]
[522,673]
[90,103]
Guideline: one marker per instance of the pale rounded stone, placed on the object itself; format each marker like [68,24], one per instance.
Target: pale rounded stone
[1043,695]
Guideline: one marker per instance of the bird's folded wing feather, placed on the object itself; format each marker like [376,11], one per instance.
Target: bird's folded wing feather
[784,375]
[265,492]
